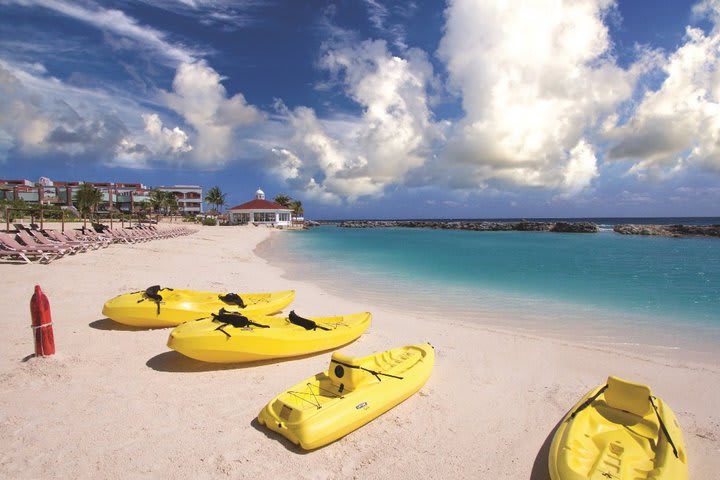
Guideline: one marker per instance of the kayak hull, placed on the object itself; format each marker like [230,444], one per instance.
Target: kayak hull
[326,407]
[617,436]
[180,306]
[203,339]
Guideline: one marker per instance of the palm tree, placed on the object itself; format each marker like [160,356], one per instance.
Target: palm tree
[87,197]
[215,197]
[297,208]
[141,206]
[156,200]
[170,203]
[283,200]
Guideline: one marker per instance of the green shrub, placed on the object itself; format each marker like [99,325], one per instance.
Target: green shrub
[209,222]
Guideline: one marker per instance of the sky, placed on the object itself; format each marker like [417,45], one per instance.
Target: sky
[374,108]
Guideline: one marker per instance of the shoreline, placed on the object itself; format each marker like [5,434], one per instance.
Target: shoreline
[116,403]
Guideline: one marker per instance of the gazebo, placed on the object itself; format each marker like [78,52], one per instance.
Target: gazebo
[260,211]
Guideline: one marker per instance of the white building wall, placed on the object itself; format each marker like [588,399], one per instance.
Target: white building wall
[268,217]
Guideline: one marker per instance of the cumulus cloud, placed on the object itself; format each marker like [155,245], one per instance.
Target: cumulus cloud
[199,96]
[580,168]
[326,162]
[533,91]
[7,143]
[390,138]
[288,166]
[167,141]
[677,126]
[707,8]
[154,142]
[22,121]
[41,115]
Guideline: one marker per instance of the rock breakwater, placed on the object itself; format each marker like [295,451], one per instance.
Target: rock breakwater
[522,226]
[668,230]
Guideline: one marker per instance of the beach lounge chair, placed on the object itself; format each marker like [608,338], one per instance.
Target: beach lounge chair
[121,236]
[41,239]
[142,234]
[147,232]
[102,240]
[110,235]
[137,235]
[80,245]
[28,240]
[12,250]
[97,241]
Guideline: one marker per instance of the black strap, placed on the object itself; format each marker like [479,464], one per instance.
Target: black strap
[662,427]
[587,402]
[153,293]
[377,374]
[233,299]
[235,319]
[306,323]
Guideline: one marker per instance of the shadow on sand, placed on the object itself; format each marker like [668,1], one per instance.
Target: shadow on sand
[540,470]
[175,362]
[107,324]
[291,447]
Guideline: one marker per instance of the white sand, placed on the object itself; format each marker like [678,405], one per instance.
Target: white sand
[116,403]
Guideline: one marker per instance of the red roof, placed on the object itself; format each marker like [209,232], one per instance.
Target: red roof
[258,204]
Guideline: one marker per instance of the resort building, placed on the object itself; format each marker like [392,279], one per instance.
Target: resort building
[123,197]
[260,211]
[189,197]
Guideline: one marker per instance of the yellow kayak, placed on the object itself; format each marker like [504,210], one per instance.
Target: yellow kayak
[352,392]
[619,431]
[232,338]
[167,307]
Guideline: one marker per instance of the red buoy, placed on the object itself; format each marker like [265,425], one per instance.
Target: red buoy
[42,324]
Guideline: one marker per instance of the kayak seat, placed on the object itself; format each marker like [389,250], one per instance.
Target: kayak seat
[342,373]
[628,396]
[631,402]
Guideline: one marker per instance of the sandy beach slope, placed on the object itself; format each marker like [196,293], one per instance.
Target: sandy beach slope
[116,403]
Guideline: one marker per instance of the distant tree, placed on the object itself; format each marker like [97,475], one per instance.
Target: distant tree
[142,206]
[170,203]
[16,205]
[283,200]
[215,197]
[88,197]
[297,208]
[155,199]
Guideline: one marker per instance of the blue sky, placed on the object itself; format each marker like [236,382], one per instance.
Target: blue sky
[372,108]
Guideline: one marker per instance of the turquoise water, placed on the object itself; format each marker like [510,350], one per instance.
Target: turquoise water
[567,278]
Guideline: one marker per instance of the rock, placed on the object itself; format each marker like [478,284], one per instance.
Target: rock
[580,227]
[668,230]
[526,226]
[522,226]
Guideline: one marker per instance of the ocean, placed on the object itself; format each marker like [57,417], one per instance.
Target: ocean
[632,292]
